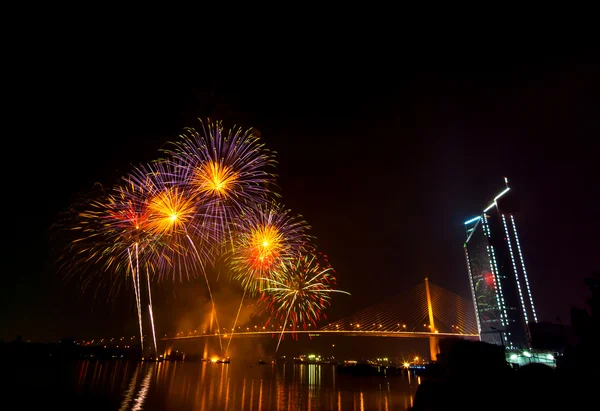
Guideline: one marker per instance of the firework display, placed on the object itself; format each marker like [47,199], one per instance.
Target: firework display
[104,230]
[300,290]
[112,236]
[170,216]
[266,236]
[226,171]
[211,198]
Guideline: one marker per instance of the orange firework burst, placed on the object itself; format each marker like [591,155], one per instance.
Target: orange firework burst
[266,244]
[266,236]
[170,211]
[215,179]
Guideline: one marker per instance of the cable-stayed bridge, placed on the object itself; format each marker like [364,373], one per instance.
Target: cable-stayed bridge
[425,310]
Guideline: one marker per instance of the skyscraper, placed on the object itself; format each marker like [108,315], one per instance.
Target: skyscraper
[497,274]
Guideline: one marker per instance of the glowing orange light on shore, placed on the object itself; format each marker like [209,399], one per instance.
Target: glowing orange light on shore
[215,179]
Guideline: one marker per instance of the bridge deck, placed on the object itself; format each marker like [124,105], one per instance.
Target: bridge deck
[392,334]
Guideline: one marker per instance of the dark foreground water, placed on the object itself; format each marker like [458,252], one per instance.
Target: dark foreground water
[121,385]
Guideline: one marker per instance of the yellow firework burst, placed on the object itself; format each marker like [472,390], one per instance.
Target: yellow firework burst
[215,179]
[169,211]
[266,244]
[266,236]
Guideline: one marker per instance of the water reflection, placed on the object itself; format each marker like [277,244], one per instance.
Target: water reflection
[206,386]
[130,392]
[139,400]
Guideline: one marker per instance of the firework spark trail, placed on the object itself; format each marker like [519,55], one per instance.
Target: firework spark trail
[212,300]
[285,322]
[137,277]
[151,313]
[137,301]
[235,322]
[153,333]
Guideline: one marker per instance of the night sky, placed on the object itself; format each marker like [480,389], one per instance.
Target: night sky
[385,158]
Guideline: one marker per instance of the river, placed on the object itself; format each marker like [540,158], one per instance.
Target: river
[123,385]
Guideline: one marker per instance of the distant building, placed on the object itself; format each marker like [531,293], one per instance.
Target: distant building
[497,274]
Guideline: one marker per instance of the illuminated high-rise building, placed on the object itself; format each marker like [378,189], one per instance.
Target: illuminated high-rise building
[497,274]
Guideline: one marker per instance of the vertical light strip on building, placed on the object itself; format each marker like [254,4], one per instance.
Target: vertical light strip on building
[512,218]
[499,282]
[514,264]
[473,291]
[488,233]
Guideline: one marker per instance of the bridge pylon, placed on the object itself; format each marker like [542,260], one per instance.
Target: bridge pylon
[434,342]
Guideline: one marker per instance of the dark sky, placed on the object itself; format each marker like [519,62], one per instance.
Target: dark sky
[384,157]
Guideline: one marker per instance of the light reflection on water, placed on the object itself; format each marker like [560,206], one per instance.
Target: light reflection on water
[206,386]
